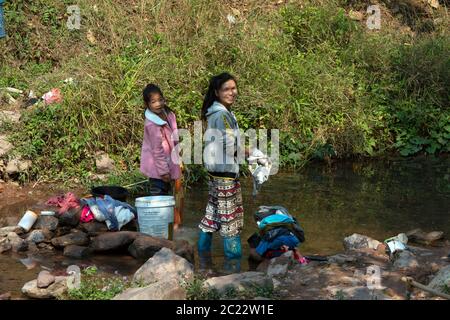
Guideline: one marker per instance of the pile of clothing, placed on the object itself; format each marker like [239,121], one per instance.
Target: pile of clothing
[113,212]
[279,232]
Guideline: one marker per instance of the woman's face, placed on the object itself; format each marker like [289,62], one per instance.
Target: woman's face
[227,94]
[156,103]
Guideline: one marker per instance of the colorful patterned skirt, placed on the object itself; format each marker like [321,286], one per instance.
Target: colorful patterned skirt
[224,211]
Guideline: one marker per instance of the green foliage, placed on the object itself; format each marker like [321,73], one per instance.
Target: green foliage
[333,88]
[94,287]
[196,291]
[90,271]
[314,26]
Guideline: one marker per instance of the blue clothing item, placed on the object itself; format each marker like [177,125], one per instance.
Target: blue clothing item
[204,241]
[232,247]
[153,117]
[107,207]
[222,140]
[290,241]
[275,218]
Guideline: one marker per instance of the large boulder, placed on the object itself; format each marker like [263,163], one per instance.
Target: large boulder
[441,280]
[239,282]
[169,289]
[77,252]
[46,222]
[45,279]
[112,241]
[144,247]
[165,264]
[94,228]
[55,290]
[358,241]
[74,238]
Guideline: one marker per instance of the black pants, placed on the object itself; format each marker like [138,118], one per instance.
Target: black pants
[159,188]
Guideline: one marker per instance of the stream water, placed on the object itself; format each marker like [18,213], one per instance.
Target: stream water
[376,198]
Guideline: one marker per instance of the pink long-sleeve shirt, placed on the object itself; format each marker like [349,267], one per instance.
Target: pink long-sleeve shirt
[160,139]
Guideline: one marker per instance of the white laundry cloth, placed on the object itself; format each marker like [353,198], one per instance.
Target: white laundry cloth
[259,166]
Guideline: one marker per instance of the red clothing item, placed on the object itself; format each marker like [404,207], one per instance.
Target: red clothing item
[86,215]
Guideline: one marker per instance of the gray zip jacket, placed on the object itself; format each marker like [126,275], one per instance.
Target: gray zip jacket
[222,141]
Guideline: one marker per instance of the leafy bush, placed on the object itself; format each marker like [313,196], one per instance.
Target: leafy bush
[333,88]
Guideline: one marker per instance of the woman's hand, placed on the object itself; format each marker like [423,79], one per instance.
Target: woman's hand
[166,178]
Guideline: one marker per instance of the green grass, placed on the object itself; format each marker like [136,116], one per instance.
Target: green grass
[333,88]
[95,287]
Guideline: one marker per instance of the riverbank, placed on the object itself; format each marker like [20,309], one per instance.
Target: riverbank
[330,203]
[363,271]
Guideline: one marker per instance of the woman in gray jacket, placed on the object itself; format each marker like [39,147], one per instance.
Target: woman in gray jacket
[221,156]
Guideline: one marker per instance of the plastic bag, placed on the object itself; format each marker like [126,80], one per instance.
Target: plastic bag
[53,96]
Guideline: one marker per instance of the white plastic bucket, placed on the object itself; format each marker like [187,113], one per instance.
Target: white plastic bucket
[27,221]
[156,215]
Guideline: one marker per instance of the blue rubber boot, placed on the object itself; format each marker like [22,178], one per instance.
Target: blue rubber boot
[204,241]
[204,252]
[233,253]
[232,247]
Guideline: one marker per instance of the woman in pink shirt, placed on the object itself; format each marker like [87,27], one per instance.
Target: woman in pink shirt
[159,161]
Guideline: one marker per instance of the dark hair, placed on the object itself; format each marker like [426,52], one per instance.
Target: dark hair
[149,90]
[215,83]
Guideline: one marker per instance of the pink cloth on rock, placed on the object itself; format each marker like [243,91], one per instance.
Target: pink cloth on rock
[64,202]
